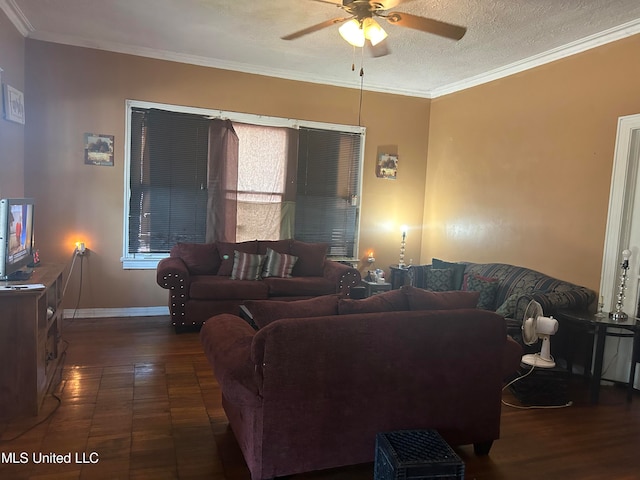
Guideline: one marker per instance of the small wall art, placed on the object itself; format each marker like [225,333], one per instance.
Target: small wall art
[13,104]
[387,166]
[98,149]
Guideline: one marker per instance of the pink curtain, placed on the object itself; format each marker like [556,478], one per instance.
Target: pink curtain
[222,182]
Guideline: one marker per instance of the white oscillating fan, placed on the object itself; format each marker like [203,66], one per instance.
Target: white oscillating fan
[535,326]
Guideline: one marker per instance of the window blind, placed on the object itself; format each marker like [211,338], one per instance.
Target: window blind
[328,176]
[168,180]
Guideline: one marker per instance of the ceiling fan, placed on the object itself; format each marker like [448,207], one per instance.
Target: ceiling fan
[360,25]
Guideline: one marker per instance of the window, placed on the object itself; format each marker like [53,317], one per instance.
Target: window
[290,179]
[168,171]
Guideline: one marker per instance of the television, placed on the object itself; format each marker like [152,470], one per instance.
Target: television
[16,238]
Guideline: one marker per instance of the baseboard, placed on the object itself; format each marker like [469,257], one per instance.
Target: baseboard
[116,312]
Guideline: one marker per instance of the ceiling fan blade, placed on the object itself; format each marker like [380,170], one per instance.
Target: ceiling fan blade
[337,3]
[314,28]
[428,25]
[387,4]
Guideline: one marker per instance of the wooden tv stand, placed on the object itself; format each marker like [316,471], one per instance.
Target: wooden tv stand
[30,341]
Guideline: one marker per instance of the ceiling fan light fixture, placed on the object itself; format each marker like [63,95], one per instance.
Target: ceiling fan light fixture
[373,31]
[352,32]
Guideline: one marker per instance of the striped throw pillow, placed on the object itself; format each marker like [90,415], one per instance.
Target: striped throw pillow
[278,264]
[246,266]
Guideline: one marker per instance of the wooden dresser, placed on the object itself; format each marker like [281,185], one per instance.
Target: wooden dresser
[30,341]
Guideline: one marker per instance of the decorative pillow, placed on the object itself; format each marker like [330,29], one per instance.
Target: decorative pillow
[439,279]
[278,264]
[508,308]
[391,301]
[226,253]
[246,266]
[488,288]
[311,258]
[200,258]
[420,299]
[458,271]
[266,311]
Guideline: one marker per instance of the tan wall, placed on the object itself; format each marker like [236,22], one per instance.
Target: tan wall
[519,169]
[76,90]
[11,134]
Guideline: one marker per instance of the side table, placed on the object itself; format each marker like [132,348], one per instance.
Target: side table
[398,276]
[600,325]
[373,288]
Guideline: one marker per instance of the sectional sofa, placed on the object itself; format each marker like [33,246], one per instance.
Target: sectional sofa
[505,289]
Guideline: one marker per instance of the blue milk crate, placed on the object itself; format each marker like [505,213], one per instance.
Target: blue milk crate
[415,455]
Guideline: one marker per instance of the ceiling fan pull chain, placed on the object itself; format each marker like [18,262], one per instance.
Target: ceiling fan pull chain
[353,59]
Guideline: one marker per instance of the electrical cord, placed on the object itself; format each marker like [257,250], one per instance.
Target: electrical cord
[73,262]
[77,306]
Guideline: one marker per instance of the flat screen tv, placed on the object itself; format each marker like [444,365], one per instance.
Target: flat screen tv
[16,238]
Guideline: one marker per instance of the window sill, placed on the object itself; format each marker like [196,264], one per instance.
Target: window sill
[148,263]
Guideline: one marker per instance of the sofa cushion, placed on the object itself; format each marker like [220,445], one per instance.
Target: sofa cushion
[391,301]
[439,279]
[267,311]
[458,271]
[311,257]
[246,266]
[488,288]
[214,287]
[200,258]
[225,251]
[420,299]
[299,286]
[278,264]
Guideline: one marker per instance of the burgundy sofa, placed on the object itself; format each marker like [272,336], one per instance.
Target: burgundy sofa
[305,392]
[200,281]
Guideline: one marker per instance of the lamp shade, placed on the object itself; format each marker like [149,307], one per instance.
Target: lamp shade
[373,31]
[352,32]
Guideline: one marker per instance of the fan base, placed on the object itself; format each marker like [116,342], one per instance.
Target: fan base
[535,360]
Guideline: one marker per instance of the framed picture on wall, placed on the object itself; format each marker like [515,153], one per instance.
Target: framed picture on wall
[387,166]
[98,149]
[13,104]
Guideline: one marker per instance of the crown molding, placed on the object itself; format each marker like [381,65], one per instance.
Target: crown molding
[607,36]
[17,17]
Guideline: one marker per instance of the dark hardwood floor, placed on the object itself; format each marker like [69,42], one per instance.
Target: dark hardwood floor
[141,403]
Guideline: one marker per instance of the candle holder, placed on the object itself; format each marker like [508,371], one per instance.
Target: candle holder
[618,314]
[403,244]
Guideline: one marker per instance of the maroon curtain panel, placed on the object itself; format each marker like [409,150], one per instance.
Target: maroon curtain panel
[222,182]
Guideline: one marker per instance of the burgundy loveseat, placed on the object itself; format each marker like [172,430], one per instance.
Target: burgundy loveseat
[201,283]
[307,393]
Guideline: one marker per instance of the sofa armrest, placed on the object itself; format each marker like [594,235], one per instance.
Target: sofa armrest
[343,276]
[227,343]
[511,358]
[172,274]
[551,302]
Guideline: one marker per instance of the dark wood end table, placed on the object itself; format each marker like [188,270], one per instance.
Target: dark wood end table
[600,325]
[373,288]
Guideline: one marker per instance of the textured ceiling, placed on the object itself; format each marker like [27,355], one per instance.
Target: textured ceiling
[503,36]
